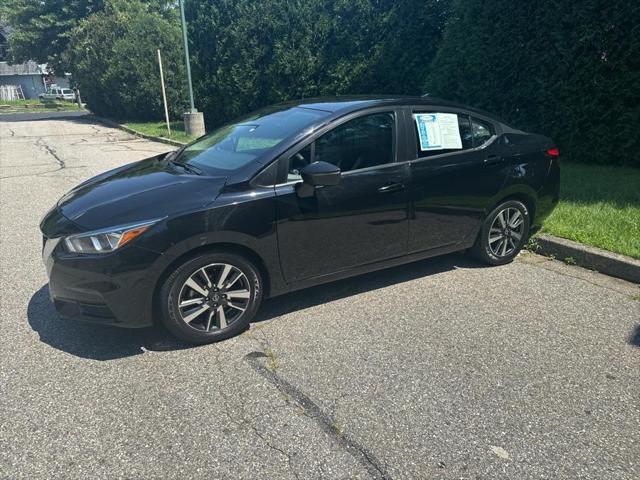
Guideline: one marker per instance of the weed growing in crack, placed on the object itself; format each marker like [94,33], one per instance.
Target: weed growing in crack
[272,360]
[338,427]
[532,244]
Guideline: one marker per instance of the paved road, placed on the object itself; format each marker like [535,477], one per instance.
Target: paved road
[438,370]
[31,116]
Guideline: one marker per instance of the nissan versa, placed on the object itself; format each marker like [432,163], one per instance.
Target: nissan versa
[294,195]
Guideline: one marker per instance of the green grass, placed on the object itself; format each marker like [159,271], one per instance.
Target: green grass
[19,102]
[599,206]
[159,129]
[21,106]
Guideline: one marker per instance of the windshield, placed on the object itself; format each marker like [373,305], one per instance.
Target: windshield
[235,145]
[66,90]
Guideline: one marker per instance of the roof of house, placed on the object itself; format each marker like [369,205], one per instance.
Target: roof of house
[26,68]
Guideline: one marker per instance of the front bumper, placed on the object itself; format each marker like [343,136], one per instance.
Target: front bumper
[115,288]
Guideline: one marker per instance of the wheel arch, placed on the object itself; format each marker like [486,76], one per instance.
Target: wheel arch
[242,250]
[528,201]
[525,195]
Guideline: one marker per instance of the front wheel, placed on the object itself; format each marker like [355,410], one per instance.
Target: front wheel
[210,297]
[503,233]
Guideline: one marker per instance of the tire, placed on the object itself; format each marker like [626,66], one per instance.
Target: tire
[508,224]
[222,315]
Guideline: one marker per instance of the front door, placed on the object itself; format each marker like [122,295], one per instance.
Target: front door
[361,220]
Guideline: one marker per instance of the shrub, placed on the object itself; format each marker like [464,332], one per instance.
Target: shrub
[570,70]
[114,58]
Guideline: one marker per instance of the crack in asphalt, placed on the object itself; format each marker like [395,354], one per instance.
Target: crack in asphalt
[544,261]
[311,410]
[244,421]
[51,151]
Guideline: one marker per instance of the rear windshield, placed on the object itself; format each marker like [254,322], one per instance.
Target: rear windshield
[235,145]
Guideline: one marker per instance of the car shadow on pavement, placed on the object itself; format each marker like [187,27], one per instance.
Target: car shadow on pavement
[96,342]
[329,292]
[634,338]
[103,342]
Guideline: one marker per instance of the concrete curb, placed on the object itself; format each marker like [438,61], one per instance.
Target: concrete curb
[593,258]
[111,123]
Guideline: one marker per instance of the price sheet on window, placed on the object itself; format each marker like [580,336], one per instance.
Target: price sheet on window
[438,131]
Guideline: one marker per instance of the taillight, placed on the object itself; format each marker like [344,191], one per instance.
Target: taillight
[554,152]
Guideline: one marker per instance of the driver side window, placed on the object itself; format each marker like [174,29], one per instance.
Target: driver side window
[297,162]
[363,142]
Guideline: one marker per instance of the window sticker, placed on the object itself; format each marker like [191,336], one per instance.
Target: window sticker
[438,131]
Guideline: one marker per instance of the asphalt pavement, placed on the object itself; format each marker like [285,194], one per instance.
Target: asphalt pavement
[442,369]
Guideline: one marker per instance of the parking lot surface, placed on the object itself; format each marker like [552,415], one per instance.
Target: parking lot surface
[442,369]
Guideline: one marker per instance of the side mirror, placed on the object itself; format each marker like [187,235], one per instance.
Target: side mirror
[317,174]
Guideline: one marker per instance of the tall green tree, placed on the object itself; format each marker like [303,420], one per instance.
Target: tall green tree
[114,58]
[405,38]
[246,54]
[41,29]
[567,69]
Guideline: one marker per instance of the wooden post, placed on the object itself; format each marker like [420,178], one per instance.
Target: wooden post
[78,99]
[164,94]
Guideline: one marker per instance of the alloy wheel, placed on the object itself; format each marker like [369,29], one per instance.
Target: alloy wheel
[506,232]
[214,297]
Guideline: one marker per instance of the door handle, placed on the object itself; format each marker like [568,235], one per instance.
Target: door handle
[391,187]
[491,159]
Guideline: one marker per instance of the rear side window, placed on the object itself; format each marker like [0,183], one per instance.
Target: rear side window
[438,133]
[482,131]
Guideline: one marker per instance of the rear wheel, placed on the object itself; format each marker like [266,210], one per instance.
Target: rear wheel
[503,233]
[211,297]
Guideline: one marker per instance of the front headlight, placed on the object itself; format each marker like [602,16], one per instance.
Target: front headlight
[106,240]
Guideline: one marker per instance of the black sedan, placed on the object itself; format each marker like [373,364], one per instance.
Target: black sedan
[292,196]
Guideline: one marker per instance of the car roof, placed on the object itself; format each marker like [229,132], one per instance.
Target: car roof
[351,103]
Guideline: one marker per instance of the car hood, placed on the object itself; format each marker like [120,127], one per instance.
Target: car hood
[141,191]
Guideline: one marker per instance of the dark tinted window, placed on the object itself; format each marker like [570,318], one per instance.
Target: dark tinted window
[465,131]
[464,128]
[297,162]
[482,131]
[359,143]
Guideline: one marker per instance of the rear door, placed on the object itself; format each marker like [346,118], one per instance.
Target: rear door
[453,180]
[361,220]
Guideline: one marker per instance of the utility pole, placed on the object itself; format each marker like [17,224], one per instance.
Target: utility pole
[193,120]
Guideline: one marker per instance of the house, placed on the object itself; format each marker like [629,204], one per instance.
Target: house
[32,77]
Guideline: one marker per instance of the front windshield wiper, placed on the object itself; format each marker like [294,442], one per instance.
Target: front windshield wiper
[186,166]
[170,156]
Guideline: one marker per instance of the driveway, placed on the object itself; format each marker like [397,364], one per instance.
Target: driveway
[438,370]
